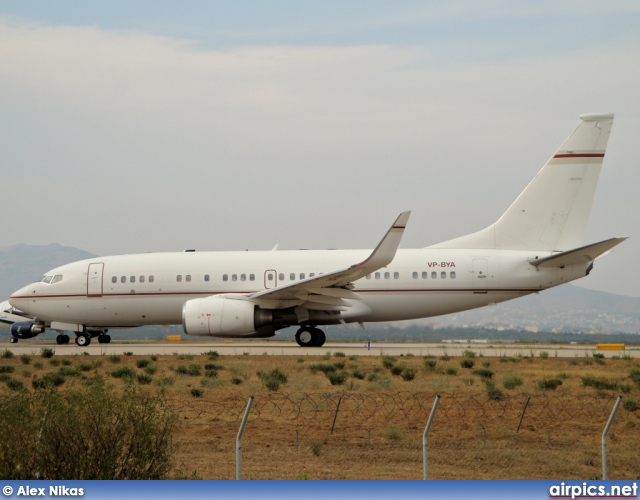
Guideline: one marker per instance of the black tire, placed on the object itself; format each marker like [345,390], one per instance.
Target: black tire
[83,340]
[107,339]
[65,339]
[13,340]
[60,339]
[305,337]
[321,337]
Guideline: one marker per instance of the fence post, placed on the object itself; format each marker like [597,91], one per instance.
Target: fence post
[239,439]
[604,438]
[424,437]
[522,416]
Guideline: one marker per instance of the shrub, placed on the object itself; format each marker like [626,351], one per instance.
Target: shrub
[451,371]
[114,358]
[213,355]
[430,364]
[236,380]
[388,362]
[408,374]
[212,366]
[7,354]
[630,404]
[131,444]
[543,354]
[25,359]
[54,362]
[15,385]
[47,352]
[210,373]
[338,354]
[65,362]
[493,392]
[355,373]
[550,384]
[196,393]
[445,358]
[69,372]
[467,363]
[396,370]
[37,365]
[194,370]
[154,358]
[272,379]
[483,372]
[123,372]
[337,378]
[7,368]
[151,369]
[144,379]
[323,367]
[339,365]
[316,446]
[372,377]
[635,376]
[602,384]
[49,380]
[468,354]
[392,433]
[511,382]
[141,363]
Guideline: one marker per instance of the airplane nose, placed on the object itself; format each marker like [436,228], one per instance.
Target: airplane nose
[20,298]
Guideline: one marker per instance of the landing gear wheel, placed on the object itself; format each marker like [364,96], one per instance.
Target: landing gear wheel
[59,340]
[104,339]
[65,339]
[13,340]
[310,337]
[83,340]
[321,338]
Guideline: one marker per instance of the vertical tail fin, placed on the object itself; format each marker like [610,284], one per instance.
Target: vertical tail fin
[551,213]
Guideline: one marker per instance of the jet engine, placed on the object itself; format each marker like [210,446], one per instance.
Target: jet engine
[226,317]
[26,329]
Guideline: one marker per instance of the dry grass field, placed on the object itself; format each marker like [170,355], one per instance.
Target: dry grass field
[333,416]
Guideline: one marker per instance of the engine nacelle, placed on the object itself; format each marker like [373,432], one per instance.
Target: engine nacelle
[220,317]
[26,329]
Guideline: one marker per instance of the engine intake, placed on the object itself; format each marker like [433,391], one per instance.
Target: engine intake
[224,317]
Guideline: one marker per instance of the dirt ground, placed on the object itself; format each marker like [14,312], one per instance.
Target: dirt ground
[339,417]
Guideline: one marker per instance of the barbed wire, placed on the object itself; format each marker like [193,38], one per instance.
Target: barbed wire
[380,408]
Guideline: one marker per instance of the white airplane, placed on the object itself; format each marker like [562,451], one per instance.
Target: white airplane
[535,245]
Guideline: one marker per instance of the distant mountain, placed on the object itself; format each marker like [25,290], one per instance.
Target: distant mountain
[566,308]
[23,264]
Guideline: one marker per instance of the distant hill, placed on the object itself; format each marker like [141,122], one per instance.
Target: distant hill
[566,308]
[23,264]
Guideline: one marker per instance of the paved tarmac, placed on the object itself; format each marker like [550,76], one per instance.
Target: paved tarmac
[255,348]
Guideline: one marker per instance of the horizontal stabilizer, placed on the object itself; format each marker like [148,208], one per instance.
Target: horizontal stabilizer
[582,255]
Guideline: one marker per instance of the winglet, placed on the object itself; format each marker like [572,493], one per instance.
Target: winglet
[384,253]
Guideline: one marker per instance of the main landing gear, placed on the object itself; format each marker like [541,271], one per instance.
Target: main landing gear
[62,339]
[309,336]
[84,339]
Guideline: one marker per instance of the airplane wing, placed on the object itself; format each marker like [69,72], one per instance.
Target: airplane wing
[326,292]
[582,255]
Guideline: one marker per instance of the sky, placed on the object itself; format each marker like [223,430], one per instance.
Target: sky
[143,126]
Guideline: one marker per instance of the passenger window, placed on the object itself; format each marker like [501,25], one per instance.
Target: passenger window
[225,277]
[270,277]
[311,275]
[132,279]
[415,275]
[453,275]
[114,279]
[123,279]
[206,277]
[252,277]
[234,277]
[386,275]
[434,275]
[292,276]
[179,278]
[377,276]
[141,279]
[243,277]
[280,276]
[368,276]
[396,276]
[151,279]
[443,275]
[188,278]
[425,275]
[302,275]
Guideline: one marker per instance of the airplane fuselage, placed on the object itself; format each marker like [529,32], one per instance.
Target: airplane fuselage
[151,289]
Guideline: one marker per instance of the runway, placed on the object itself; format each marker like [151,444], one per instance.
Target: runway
[258,348]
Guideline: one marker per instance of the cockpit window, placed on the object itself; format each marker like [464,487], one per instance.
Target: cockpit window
[47,279]
[56,278]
